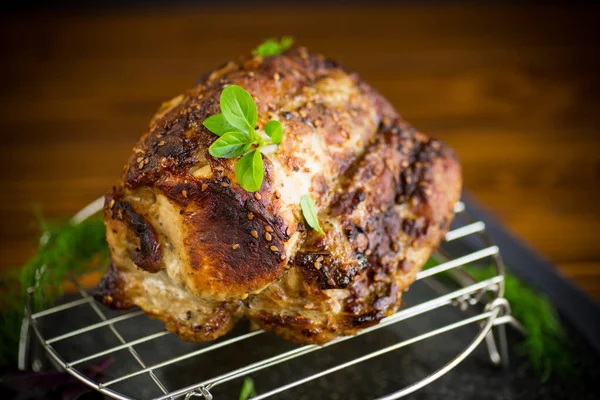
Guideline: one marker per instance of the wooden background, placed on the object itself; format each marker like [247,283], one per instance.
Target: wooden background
[514,89]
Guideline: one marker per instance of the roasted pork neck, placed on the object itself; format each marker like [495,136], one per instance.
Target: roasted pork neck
[191,247]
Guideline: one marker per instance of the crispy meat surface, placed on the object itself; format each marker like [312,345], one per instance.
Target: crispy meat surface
[192,248]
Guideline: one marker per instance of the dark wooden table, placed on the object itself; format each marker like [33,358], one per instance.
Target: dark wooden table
[514,89]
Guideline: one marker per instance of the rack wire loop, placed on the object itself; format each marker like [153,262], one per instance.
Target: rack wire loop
[200,392]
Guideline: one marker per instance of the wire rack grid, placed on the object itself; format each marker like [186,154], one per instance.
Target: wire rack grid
[470,292]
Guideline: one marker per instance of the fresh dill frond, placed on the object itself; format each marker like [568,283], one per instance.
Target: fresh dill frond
[65,249]
[544,342]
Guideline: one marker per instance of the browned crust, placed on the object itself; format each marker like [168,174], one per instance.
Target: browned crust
[238,259]
[384,215]
[174,138]
[148,255]
[388,247]
[225,260]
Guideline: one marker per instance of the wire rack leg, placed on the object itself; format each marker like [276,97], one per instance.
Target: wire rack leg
[119,337]
[24,341]
[501,329]
[498,355]
[492,349]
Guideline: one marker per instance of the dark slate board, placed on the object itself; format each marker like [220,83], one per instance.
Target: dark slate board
[475,378]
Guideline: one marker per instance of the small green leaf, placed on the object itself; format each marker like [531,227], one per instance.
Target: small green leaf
[238,108]
[275,131]
[309,210]
[273,47]
[218,125]
[247,389]
[230,145]
[249,171]
[269,47]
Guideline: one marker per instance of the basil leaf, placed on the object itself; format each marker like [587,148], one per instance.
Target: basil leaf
[247,389]
[269,47]
[249,171]
[238,108]
[272,47]
[275,131]
[218,125]
[230,145]
[309,210]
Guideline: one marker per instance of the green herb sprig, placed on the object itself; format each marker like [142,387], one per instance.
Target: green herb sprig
[65,249]
[273,47]
[309,210]
[544,342]
[238,138]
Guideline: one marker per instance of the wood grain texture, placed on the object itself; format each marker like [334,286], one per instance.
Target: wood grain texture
[514,89]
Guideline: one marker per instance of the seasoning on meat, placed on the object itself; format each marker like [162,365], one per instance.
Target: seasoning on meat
[178,221]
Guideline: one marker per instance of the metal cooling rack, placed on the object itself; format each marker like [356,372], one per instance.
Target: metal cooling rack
[490,320]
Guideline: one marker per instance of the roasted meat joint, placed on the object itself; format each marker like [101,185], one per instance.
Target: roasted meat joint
[282,189]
